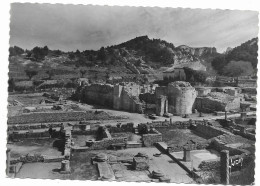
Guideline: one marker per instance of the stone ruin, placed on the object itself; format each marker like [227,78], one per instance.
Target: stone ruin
[119,97]
[140,162]
[177,98]
[217,101]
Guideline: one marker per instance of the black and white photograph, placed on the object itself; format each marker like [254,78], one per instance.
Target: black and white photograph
[132,94]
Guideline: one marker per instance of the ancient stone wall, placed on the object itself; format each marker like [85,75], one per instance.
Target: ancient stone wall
[181,96]
[28,135]
[106,143]
[179,148]
[218,145]
[120,97]
[152,138]
[35,126]
[168,124]
[217,102]
[125,98]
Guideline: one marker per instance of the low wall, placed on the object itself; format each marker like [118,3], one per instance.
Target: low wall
[106,143]
[128,127]
[208,131]
[33,126]
[150,139]
[28,135]
[245,134]
[218,145]
[168,124]
[195,146]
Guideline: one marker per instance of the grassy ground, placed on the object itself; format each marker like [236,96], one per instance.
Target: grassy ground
[179,136]
[58,117]
[34,146]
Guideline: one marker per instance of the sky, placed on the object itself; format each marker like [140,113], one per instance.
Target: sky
[86,27]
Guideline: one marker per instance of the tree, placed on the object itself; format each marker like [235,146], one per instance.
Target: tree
[71,55]
[200,76]
[145,79]
[13,51]
[143,129]
[96,76]
[82,72]
[39,53]
[195,75]
[101,54]
[218,63]
[50,73]
[77,52]
[238,68]
[107,75]
[11,85]
[30,73]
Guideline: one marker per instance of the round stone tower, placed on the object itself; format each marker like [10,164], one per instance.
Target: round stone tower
[181,96]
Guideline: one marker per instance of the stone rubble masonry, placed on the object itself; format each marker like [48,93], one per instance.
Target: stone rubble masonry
[29,135]
[127,98]
[168,124]
[219,145]
[140,163]
[119,97]
[33,126]
[194,146]
[106,143]
[181,96]
[217,101]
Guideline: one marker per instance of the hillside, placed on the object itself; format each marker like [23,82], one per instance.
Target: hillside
[246,52]
[135,57]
